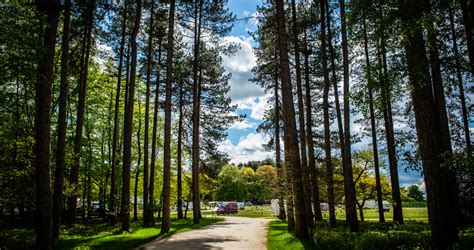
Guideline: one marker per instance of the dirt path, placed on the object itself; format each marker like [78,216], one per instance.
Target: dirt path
[232,233]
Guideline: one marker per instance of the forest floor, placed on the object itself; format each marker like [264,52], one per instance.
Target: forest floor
[231,233]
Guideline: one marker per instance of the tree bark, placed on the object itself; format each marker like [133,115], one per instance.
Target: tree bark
[340,131]
[292,158]
[151,194]
[180,138]
[43,87]
[166,222]
[301,115]
[327,132]
[351,213]
[460,83]
[282,213]
[467,15]
[112,213]
[440,184]
[74,178]
[62,125]
[196,112]
[375,151]
[390,135]
[128,123]
[146,212]
[137,170]
[309,137]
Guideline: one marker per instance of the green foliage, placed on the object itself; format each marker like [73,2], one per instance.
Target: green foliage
[415,193]
[244,184]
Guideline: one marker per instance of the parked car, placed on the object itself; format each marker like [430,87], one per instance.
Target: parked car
[228,208]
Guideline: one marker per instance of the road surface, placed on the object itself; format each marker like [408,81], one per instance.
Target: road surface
[231,233]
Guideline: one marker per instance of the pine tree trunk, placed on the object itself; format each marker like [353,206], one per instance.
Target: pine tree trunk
[196,112]
[309,137]
[388,122]
[146,210]
[279,167]
[327,132]
[467,15]
[340,131]
[440,186]
[180,138]
[62,125]
[375,151]
[350,198]
[292,158]
[301,116]
[460,83]
[74,178]
[166,222]
[44,83]
[112,212]
[128,124]
[137,170]
[151,194]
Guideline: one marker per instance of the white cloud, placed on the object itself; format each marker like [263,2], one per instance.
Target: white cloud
[240,66]
[249,148]
[246,13]
[256,105]
[244,124]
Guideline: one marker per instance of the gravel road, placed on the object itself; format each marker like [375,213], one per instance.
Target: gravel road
[231,233]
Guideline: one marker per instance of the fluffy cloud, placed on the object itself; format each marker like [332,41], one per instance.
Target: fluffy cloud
[240,66]
[244,124]
[249,148]
[256,105]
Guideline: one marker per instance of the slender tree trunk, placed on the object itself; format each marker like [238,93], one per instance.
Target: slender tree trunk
[281,192]
[115,135]
[460,83]
[44,83]
[137,170]
[292,158]
[388,121]
[62,125]
[350,199]
[180,138]
[146,212]
[74,179]
[340,131]
[327,131]
[196,112]
[166,222]
[309,137]
[301,113]
[128,124]
[370,84]
[440,185]
[89,195]
[151,194]
[467,15]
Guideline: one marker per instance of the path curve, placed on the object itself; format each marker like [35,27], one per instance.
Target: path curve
[231,233]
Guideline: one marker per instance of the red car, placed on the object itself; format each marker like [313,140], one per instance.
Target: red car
[228,208]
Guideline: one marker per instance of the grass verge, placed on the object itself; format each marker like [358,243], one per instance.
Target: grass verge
[100,235]
[372,235]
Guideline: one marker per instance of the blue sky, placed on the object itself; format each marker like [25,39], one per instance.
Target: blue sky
[244,143]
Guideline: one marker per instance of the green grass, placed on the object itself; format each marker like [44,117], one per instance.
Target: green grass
[410,213]
[100,235]
[372,235]
[278,237]
[264,211]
